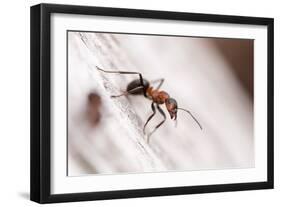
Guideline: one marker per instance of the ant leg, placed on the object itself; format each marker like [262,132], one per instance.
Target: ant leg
[164,116]
[127,72]
[127,92]
[161,80]
[150,117]
[122,94]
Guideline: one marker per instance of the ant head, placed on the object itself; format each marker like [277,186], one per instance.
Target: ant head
[172,107]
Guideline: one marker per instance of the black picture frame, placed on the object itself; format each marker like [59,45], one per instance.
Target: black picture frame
[40,184]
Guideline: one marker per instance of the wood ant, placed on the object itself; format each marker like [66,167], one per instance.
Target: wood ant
[143,87]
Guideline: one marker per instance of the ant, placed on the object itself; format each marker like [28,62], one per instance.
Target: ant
[143,87]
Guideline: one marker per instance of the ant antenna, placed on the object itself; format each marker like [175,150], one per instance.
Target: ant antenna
[192,117]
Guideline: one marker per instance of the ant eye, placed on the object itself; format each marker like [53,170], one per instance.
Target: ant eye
[172,102]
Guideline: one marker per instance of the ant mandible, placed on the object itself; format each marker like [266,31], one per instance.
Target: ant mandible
[143,87]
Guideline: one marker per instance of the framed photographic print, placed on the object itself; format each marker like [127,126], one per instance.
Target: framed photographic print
[133,103]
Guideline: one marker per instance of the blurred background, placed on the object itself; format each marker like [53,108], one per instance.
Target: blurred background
[211,77]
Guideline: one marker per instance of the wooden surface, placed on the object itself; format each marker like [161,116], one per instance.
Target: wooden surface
[196,75]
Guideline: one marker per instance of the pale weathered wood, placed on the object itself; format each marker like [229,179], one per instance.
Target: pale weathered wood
[195,75]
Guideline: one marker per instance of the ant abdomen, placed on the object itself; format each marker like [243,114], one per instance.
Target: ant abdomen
[136,88]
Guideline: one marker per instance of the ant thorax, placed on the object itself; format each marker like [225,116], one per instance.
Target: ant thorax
[157,96]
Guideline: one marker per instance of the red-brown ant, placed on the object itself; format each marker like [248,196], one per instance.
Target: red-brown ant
[142,87]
